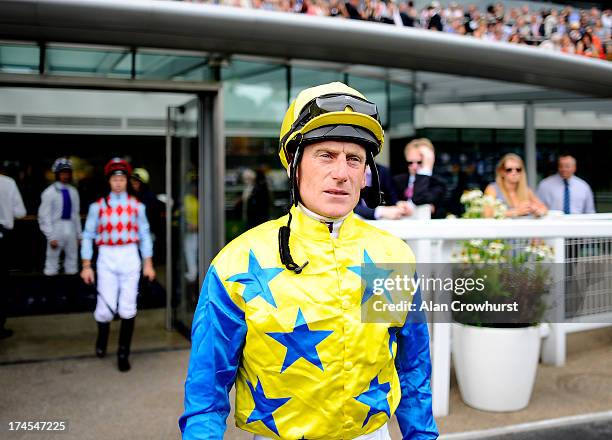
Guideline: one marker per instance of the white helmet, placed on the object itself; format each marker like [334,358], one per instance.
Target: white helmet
[61,164]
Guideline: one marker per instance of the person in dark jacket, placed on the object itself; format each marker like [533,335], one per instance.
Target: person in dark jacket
[419,186]
[435,20]
[258,202]
[139,181]
[391,210]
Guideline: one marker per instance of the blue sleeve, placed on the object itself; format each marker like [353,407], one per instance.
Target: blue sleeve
[217,337]
[144,233]
[89,233]
[413,364]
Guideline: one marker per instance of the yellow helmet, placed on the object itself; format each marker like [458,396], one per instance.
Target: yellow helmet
[141,174]
[331,111]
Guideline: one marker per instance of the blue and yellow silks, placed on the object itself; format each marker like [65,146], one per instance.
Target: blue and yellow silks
[303,362]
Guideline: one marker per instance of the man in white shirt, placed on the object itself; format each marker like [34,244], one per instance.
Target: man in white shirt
[566,192]
[58,217]
[11,207]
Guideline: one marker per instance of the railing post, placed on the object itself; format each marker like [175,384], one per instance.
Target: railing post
[553,346]
[441,350]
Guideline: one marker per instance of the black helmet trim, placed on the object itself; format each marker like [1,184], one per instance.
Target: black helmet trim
[347,133]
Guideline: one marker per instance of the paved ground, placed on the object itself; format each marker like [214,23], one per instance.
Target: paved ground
[100,403]
[583,385]
[584,431]
[73,334]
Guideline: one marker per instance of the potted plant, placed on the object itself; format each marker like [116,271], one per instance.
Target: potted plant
[497,331]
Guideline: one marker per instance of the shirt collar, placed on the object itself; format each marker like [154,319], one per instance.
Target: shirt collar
[118,196]
[314,226]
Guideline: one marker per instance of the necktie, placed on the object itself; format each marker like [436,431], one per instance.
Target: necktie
[566,197]
[409,191]
[66,205]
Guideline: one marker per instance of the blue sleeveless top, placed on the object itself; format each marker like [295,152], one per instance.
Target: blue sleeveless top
[499,195]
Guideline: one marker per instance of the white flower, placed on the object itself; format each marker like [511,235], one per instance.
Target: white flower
[496,246]
[540,251]
[475,243]
[470,196]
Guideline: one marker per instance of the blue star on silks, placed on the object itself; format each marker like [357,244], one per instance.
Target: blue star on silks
[256,280]
[301,342]
[376,398]
[264,407]
[371,273]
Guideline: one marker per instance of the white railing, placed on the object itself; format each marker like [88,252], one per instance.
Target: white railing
[434,241]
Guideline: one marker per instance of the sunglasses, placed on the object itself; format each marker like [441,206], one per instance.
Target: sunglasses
[418,162]
[509,170]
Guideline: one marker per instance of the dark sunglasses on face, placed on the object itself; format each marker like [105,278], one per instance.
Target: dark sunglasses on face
[509,170]
[418,162]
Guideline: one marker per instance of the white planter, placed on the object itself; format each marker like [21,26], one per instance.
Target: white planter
[496,367]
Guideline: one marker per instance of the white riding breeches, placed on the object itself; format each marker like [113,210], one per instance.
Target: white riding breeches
[191,256]
[381,433]
[67,241]
[118,273]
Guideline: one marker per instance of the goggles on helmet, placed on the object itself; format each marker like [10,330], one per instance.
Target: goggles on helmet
[333,103]
[339,103]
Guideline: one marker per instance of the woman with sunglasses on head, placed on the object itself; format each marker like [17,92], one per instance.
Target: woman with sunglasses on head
[511,188]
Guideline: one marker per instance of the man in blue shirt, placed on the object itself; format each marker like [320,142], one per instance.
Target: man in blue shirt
[566,192]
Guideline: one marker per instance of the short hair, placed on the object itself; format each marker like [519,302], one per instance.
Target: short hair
[420,142]
[566,155]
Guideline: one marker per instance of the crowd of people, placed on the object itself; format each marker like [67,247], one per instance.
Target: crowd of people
[421,185]
[566,29]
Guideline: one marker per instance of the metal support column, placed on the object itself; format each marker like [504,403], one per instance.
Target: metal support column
[530,145]
[211,181]
[169,207]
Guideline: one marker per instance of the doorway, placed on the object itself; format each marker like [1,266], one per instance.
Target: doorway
[61,325]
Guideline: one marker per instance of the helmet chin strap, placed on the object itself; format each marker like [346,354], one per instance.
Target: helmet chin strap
[294,193]
[371,195]
[285,231]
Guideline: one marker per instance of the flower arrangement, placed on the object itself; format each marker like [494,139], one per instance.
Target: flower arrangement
[475,202]
[502,251]
[513,274]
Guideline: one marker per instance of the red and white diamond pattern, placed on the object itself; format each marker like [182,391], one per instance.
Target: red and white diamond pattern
[117,225]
